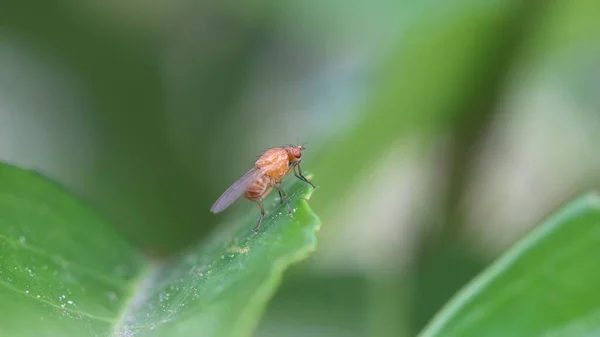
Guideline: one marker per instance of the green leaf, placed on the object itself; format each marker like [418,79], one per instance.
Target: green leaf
[65,271]
[546,284]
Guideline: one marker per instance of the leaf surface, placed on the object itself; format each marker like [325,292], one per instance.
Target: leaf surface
[545,285]
[66,271]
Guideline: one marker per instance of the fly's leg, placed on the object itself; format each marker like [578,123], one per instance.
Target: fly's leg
[262,215]
[280,196]
[283,196]
[299,175]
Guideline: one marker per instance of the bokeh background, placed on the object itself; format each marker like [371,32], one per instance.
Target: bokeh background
[439,132]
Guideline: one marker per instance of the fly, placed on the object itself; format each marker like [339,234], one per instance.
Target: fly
[268,171]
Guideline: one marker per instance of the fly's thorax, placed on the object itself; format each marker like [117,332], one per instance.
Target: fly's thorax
[260,188]
[271,157]
[274,163]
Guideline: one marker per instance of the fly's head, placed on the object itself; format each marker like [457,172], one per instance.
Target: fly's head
[294,153]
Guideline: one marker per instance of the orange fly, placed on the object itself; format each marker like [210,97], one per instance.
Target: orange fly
[268,171]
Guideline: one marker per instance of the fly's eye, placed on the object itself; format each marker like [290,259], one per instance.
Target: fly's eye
[294,152]
[297,153]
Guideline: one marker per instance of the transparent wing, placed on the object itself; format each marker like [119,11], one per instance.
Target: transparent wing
[236,190]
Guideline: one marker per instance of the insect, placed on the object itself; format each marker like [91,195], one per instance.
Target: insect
[268,171]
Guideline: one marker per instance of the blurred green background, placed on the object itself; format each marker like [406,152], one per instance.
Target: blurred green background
[438,132]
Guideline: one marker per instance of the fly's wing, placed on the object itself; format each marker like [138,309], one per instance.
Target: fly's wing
[236,190]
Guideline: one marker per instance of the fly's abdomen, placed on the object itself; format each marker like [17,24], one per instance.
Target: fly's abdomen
[260,188]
